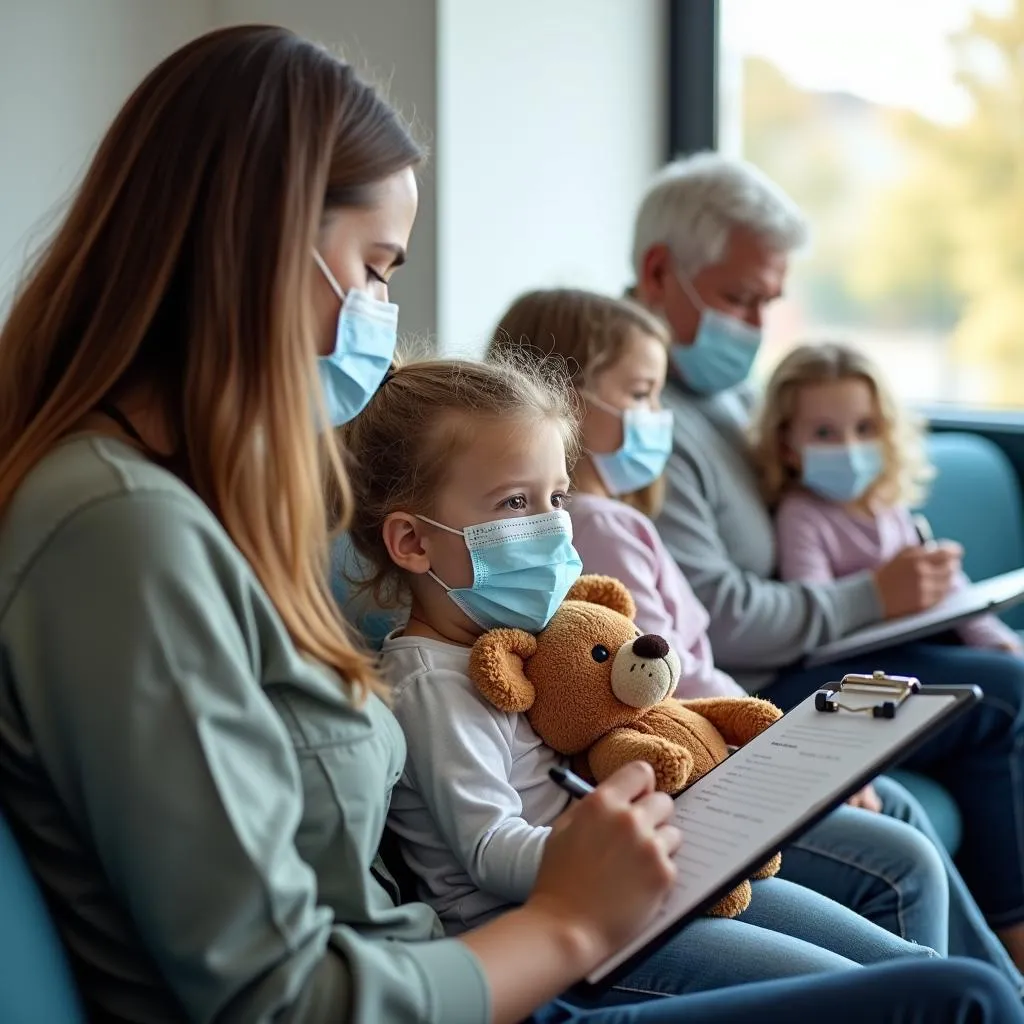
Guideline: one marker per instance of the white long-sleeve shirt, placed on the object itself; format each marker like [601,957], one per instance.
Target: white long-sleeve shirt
[475,803]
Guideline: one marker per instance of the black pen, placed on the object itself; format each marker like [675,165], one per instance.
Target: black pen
[570,782]
[923,530]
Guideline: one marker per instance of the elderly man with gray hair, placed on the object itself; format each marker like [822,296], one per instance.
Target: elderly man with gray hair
[713,240]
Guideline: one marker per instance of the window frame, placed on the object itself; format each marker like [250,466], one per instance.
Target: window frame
[693,39]
[692,114]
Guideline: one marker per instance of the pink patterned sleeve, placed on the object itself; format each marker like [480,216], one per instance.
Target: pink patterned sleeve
[801,550]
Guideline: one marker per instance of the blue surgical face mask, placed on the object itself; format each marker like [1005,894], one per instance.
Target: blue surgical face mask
[722,353]
[842,472]
[522,570]
[363,350]
[646,446]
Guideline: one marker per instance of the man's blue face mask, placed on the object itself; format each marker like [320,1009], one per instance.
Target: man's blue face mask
[722,353]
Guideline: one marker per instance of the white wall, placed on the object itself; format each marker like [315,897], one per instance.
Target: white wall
[65,68]
[551,120]
[544,118]
[393,42]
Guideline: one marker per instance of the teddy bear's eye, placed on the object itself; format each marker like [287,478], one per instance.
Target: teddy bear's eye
[600,653]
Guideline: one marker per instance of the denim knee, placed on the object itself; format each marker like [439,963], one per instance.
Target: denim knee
[969,990]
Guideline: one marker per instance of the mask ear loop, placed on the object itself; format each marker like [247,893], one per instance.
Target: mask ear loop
[331,279]
[691,293]
[450,529]
[591,399]
[620,414]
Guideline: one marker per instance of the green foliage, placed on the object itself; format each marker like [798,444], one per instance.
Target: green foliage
[917,223]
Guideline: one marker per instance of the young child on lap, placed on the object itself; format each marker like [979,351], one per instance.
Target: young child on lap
[461,478]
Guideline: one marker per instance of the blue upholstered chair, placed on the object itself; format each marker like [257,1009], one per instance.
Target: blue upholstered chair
[976,499]
[36,986]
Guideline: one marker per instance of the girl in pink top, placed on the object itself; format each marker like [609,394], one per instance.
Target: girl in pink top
[842,465]
[618,356]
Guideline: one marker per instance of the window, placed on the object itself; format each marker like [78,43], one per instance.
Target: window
[898,126]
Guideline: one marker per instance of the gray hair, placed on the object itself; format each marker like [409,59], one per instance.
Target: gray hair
[693,204]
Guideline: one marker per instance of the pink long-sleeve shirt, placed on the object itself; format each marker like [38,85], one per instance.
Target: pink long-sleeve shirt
[820,541]
[614,539]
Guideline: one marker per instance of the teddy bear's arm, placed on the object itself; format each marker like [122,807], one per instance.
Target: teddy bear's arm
[738,719]
[672,763]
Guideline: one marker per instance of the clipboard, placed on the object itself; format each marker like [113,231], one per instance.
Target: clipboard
[783,782]
[993,595]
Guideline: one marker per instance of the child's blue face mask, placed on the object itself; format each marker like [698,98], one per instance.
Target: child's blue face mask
[842,472]
[722,353]
[646,446]
[522,570]
[363,351]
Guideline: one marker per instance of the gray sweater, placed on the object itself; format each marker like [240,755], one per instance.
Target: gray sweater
[720,532]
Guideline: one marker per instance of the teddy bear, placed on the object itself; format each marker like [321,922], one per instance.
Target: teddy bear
[597,689]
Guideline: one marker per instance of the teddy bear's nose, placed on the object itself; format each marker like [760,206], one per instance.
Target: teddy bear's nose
[650,645]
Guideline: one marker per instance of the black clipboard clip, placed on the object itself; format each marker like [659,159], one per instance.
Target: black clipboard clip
[892,691]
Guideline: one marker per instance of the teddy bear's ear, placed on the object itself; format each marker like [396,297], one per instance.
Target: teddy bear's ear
[605,591]
[497,670]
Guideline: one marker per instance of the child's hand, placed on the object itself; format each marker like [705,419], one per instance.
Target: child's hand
[917,578]
[867,799]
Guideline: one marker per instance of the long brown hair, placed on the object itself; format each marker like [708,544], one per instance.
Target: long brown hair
[183,265]
[587,330]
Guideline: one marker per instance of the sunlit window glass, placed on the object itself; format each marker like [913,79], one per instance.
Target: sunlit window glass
[898,125]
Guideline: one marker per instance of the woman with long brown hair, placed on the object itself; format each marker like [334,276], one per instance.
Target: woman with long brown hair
[192,751]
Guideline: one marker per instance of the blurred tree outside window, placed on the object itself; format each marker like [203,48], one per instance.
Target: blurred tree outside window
[898,125]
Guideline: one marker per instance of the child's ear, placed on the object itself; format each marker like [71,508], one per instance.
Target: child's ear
[402,538]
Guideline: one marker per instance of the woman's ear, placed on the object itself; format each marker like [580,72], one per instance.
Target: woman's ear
[403,539]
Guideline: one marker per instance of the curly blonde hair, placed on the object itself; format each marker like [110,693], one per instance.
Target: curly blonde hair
[400,444]
[589,332]
[906,472]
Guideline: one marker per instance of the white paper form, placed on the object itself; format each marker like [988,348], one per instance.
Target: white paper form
[756,799]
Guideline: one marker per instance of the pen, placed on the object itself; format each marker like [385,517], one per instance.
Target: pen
[570,782]
[924,530]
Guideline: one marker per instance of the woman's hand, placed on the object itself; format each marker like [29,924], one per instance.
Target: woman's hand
[918,577]
[608,864]
[606,871]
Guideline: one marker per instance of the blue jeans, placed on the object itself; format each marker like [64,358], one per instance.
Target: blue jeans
[969,932]
[879,867]
[787,931]
[979,758]
[902,879]
[910,992]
